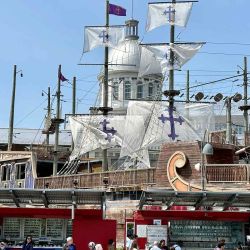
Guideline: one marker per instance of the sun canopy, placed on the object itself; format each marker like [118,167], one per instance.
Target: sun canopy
[195,200]
[47,197]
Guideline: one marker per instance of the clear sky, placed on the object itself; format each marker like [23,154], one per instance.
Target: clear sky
[38,35]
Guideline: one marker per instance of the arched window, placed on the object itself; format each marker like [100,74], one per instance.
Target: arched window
[115,90]
[150,90]
[127,90]
[139,90]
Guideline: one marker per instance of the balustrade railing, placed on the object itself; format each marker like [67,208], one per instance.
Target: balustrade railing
[227,172]
[98,180]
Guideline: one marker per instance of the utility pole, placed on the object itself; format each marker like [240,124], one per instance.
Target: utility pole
[48,116]
[73,104]
[57,123]
[229,120]
[12,111]
[245,113]
[105,89]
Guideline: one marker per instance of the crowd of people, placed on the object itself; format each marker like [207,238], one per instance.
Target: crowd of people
[131,244]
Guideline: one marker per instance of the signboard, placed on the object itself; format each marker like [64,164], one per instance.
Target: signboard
[157,222]
[157,233]
[141,231]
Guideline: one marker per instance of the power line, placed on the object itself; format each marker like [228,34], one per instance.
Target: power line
[32,111]
[220,80]
[229,43]
[222,53]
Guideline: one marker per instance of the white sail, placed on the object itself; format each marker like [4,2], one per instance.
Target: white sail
[96,131]
[168,13]
[95,36]
[150,64]
[161,124]
[92,132]
[155,57]
[184,52]
[136,124]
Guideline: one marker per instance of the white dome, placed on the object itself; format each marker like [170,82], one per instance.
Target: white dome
[127,53]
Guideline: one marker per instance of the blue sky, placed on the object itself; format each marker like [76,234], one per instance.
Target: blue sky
[38,35]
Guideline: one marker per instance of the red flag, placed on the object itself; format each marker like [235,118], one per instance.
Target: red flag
[117,10]
[62,78]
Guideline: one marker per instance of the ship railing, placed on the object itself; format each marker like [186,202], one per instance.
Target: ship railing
[125,178]
[226,173]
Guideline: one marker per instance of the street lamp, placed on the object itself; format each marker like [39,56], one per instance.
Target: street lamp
[12,108]
[206,149]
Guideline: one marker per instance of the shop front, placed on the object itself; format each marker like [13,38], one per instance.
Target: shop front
[193,220]
[65,213]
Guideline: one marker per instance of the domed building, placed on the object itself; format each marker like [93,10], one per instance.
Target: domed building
[124,63]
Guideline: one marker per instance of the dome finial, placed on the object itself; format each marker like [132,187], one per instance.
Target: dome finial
[132,29]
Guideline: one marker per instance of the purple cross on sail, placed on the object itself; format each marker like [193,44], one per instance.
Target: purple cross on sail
[109,131]
[171,13]
[105,36]
[172,121]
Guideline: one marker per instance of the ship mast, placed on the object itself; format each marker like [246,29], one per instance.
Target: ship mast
[171,92]
[105,109]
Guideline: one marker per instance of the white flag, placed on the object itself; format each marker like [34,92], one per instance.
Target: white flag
[163,13]
[102,36]
[154,57]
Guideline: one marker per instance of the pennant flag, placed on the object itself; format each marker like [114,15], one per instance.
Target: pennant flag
[155,58]
[62,78]
[95,36]
[116,10]
[163,13]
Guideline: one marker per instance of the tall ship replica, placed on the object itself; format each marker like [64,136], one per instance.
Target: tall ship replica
[157,161]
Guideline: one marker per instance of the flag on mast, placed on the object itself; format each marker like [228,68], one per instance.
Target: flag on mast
[168,13]
[62,78]
[95,36]
[116,10]
[157,57]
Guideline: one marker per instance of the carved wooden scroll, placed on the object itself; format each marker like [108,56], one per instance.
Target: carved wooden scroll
[178,160]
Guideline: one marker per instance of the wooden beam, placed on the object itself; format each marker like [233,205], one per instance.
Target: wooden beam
[14,197]
[142,201]
[233,198]
[74,200]
[171,202]
[200,201]
[45,199]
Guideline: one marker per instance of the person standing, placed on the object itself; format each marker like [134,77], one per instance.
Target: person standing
[155,246]
[111,244]
[2,245]
[91,245]
[175,247]
[70,244]
[28,243]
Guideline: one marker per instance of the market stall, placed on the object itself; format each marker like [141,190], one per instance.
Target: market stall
[192,219]
[50,216]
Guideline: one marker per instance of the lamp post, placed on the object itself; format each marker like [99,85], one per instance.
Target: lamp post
[206,149]
[12,108]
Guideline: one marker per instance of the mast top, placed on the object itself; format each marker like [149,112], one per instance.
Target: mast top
[132,29]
